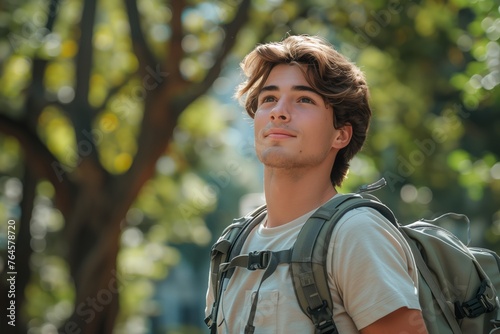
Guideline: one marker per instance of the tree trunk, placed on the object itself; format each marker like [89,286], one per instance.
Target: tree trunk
[93,237]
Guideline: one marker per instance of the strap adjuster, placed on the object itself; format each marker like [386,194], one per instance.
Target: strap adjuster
[484,302]
[258,260]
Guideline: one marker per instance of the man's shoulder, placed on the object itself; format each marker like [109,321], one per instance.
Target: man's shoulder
[364,219]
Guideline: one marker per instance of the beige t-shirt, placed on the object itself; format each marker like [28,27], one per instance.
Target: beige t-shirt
[371,274]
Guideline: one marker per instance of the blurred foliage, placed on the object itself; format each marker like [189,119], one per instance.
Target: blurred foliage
[434,72]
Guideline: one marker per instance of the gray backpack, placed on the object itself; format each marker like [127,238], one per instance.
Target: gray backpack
[458,285]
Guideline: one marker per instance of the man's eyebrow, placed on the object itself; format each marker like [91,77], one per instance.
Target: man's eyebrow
[269,88]
[297,88]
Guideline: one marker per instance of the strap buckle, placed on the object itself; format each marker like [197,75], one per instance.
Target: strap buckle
[208,321]
[258,260]
[484,302]
[322,319]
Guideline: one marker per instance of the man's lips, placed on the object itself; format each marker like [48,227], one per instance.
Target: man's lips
[278,133]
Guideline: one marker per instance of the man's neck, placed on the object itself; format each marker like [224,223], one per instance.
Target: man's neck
[289,196]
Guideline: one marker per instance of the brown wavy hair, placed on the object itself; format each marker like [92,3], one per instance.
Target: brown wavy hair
[339,81]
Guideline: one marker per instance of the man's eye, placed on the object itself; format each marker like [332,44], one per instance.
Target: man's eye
[306,100]
[268,99]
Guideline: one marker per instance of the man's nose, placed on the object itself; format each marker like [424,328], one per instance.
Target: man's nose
[280,111]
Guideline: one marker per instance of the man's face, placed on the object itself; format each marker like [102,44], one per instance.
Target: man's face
[293,126]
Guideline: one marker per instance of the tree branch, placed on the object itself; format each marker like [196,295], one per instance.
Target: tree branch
[139,44]
[157,124]
[175,51]
[41,161]
[36,100]
[53,9]
[79,110]
[85,53]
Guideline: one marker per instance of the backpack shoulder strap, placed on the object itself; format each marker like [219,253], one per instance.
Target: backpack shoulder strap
[227,247]
[308,266]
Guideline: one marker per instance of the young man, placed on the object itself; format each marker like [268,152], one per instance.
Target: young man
[311,115]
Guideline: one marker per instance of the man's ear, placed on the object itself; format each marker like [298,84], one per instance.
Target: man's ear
[342,136]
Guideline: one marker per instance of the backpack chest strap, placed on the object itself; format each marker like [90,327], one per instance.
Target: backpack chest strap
[257,260]
[267,260]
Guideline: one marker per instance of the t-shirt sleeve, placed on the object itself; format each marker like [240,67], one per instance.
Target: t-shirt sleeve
[373,269]
[209,297]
